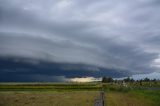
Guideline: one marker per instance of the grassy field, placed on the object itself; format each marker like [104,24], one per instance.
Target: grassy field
[49,87]
[78,94]
[81,98]
[133,98]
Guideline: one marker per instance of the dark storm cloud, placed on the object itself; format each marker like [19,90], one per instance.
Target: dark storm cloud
[20,69]
[119,35]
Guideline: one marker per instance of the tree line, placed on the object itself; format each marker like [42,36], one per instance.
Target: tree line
[128,79]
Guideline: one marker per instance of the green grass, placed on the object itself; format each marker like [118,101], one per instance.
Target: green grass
[77,94]
[49,87]
[133,98]
[144,84]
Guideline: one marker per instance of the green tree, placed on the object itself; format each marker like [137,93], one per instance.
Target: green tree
[127,79]
[146,79]
[107,79]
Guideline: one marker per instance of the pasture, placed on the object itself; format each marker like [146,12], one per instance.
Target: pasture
[81,98]
[78,94]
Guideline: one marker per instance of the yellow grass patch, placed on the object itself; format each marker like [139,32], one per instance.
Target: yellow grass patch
[75,98]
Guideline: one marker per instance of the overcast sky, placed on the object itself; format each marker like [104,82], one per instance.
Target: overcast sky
[116,34]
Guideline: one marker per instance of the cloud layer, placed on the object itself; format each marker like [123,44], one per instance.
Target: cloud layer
[122,35]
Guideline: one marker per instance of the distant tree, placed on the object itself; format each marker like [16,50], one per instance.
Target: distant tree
[110,79]
[104,80]
[154,80]
[140,82]
[107,79]
[146,79]
[127,79]
[131,80]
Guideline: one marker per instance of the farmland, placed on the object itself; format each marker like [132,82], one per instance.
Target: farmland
[81,98]
[78,94]
[133,98]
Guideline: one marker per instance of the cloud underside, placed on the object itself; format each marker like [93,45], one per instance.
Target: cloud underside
[22,70]
[112,34]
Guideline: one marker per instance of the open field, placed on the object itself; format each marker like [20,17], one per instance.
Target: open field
[49,86]
[78,94]
[81,98]
[133,98]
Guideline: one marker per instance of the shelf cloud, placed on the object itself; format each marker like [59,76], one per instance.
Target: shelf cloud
[112,34]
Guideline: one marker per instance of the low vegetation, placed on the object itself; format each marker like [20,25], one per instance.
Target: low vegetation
[80,98]
[120,93]
[133,98]
[49,86]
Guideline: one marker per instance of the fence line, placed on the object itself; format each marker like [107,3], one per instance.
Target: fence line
[100,100]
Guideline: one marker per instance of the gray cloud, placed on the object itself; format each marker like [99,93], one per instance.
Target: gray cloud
[110,34]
